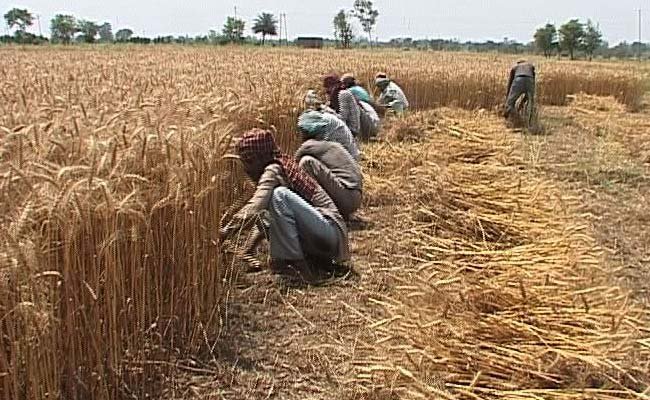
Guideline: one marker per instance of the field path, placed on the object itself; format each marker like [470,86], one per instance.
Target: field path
[298,343]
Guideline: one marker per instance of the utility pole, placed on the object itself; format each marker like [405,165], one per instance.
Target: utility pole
[639,44]
[286,34]
[280,28]
[235,12]
[38,18]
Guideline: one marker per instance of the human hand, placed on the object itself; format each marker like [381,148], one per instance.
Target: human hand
[234,225]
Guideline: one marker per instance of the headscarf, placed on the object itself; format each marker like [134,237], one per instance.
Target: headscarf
[348,80]
[332,83]
[381,79]
[257,149]
[313,123]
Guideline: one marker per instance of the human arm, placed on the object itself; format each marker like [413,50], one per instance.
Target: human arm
[390,95]
[383,98]
[398,95]
[271,178]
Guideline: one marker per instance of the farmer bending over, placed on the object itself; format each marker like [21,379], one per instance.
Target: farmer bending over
[303,220]
[521,83]
[343,102]
[370,122]
[350,83]
[329,128]
[330,164]
[392,95]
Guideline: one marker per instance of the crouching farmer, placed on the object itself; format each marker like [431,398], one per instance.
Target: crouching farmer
[335,170]
[392,96]
[304,223]
[327,127]
[370,122]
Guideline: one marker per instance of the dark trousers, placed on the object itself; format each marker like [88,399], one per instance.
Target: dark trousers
[522,86]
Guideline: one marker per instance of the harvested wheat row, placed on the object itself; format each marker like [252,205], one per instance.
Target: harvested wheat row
[507,295]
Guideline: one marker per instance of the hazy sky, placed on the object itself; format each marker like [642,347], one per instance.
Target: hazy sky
[462,19]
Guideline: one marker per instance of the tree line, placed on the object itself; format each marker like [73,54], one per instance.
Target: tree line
[573,38]
[63,29]
[67,29]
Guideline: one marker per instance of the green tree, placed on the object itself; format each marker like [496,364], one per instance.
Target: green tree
[106,33]
[89,30]
[571,35]
[233,29]
[123,35]
[21,18]
[367,16]
[63,28]
[265,24]
[343,29]
[592,40]
[546,39]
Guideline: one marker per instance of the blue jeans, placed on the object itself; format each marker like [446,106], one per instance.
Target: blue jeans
[298,229]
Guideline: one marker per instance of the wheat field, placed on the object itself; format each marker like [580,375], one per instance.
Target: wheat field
[115,175]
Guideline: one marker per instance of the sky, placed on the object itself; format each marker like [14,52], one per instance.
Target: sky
[476,20]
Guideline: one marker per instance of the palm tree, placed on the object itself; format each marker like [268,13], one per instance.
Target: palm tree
[266,24]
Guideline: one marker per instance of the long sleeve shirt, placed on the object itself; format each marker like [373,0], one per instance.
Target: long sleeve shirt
[349,111]
[520,70]
[337,131]
[272,178]
[336,159]
[393,96]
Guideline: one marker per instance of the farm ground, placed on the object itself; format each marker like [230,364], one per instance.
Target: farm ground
[493,265]
[302,343]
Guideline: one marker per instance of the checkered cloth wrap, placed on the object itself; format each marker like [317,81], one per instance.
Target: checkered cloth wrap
[257,148]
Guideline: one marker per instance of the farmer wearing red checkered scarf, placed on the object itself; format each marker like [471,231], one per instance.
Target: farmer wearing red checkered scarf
[304,223]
